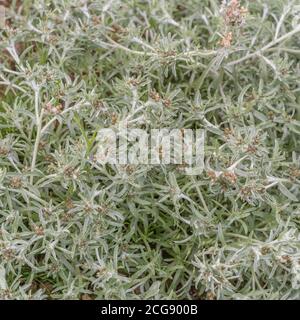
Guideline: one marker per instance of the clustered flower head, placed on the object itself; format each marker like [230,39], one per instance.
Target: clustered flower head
[226,41]
[234,14]
[53,109]
[3,151]
[15,182]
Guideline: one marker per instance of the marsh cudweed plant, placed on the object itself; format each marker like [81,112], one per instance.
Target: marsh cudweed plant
[75,228]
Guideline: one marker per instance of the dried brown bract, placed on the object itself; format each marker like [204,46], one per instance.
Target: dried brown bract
[167,103]
[228,132]
[230,177]
[154,96]
[3,151]
[39,231]
[54,110]
[212,175]
[15,182]
[226,40]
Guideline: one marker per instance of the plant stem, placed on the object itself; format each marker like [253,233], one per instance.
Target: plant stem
[203,53]
[269,45]
[39,118]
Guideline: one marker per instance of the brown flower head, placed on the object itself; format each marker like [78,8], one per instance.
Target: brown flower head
[234,14]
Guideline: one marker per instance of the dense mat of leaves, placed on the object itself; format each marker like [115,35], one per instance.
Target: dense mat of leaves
[72,229]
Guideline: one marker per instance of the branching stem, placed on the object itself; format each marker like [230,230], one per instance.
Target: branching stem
[268,46]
